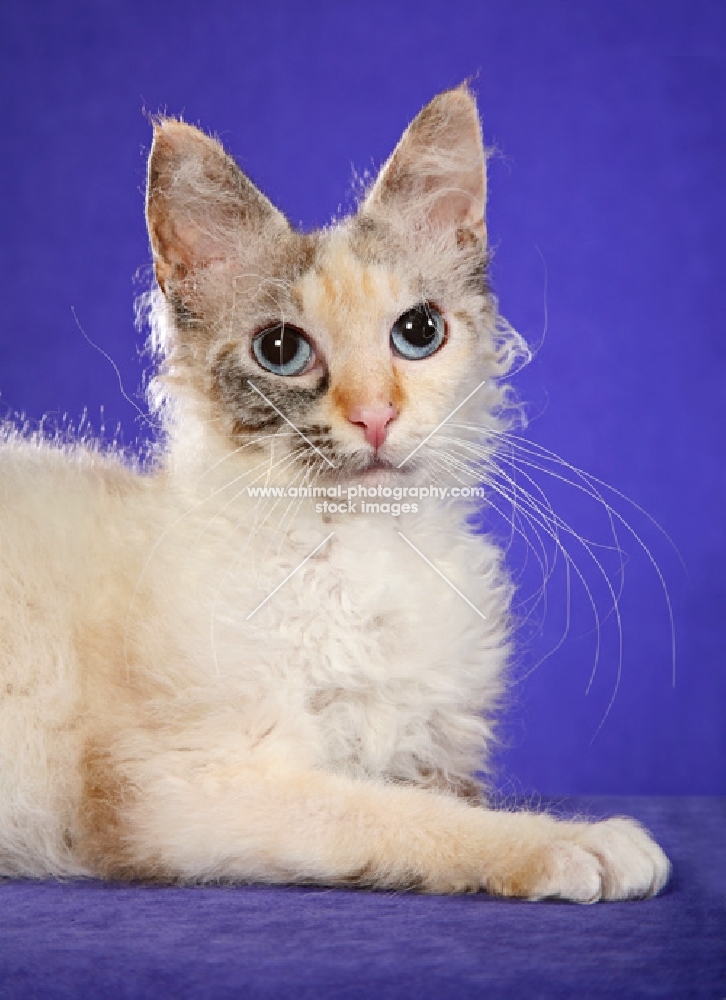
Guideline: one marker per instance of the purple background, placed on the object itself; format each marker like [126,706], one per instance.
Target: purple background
[606,202]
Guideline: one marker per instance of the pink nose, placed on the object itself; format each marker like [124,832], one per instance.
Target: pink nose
[374,420]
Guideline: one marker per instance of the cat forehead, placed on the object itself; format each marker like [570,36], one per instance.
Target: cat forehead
[345,288]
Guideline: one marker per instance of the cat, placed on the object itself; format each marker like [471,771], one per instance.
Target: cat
[201,684]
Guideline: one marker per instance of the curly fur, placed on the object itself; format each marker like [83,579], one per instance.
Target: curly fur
[159,716]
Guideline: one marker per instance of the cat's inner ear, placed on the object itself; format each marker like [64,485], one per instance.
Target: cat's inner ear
[200,207]
[437,173]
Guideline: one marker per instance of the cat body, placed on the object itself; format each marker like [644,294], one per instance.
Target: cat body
[200,683]
[342,672]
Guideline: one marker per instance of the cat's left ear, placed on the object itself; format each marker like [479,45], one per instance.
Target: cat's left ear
[200,207]
[437,173]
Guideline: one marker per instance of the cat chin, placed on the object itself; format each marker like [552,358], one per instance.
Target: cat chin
[377,470]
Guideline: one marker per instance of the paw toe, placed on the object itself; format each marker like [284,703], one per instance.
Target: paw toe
[569,872]
[633,865]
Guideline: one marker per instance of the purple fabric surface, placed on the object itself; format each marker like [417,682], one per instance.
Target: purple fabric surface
[86,940]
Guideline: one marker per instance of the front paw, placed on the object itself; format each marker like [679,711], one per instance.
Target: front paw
[633,865]
[614,859]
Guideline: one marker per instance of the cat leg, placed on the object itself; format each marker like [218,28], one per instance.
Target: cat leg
[176,816]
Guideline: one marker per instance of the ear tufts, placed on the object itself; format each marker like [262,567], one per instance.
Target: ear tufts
[437,173]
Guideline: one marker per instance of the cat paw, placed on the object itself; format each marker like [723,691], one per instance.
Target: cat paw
[614,859]
[633,865]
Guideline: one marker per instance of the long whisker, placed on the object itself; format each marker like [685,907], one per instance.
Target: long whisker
[551,531]
[539,466]
[238,451]
[522,455]
[541,518]
[515,528]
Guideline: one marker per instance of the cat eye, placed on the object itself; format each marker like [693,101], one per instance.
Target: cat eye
[419,332]
[282,350]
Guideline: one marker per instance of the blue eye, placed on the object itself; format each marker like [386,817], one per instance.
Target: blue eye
[282,350]
[419,332]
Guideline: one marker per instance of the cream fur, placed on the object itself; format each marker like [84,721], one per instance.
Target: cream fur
[148,726]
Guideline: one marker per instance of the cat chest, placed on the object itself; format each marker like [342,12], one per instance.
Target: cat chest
[368,651]
[372,659]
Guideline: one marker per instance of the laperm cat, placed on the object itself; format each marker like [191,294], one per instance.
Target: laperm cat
[200,684]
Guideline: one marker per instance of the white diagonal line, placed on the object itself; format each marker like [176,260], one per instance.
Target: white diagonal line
[289,576]
[439,426]
[444,578]
[296,429]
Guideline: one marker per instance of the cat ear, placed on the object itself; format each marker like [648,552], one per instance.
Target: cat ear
[199,204]
[437,173]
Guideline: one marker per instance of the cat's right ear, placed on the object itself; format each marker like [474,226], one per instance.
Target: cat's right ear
[200,207]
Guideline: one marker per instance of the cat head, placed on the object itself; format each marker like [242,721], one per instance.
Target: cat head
[346,346]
